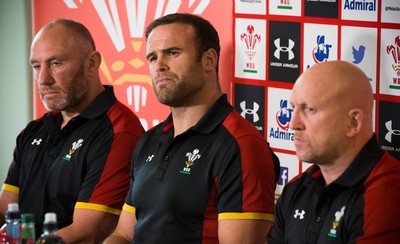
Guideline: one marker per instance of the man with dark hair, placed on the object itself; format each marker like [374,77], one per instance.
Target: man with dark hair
[75,160]
[204,175]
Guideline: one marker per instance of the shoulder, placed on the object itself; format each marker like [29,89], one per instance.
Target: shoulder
[239,126]
[386,170]
[124,119]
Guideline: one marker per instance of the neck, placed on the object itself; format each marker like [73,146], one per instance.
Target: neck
[186,117]
[332,171]
[69,114]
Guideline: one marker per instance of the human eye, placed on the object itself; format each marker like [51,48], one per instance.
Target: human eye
[35,66]
[309,109]
[55,63]
[172,52]
[150,58]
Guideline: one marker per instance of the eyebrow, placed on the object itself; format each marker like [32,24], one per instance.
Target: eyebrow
[164,51]
[32,61]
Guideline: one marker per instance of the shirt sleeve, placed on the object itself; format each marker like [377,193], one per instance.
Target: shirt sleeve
[247,180]
[106,181]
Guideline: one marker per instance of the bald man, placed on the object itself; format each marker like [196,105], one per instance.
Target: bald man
[351,194]
[75,160]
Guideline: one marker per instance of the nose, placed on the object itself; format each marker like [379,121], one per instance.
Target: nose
[43,76]
[160,64]
[295,121]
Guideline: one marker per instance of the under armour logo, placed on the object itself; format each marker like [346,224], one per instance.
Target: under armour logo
[253,111]
[149,158]
[36,141]
[287,49]
[299,214]
[391,132]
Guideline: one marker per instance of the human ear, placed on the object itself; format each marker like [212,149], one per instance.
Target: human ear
[210,59]
[355,122]
[94,61]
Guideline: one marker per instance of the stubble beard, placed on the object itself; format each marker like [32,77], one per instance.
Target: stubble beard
[71,95]
[180,92]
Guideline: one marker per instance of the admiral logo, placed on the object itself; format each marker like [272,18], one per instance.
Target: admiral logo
[284,176]
[283,117]
[360,5]
[321,52]
[394,51]
[250,39]
[358,54]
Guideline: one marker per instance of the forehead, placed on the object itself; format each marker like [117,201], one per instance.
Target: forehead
[55,39]
[311,90]
[171,34]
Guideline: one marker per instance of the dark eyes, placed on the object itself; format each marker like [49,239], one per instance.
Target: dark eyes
[305,108]
[172,53]
[53,64]
[168,53]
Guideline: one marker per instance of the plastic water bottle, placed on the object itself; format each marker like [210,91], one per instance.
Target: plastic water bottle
[13,224]
[3,234]
[28,229]
[50,230]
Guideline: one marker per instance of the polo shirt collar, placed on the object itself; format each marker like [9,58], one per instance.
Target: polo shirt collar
[101,104]
[361,166]
[213,117]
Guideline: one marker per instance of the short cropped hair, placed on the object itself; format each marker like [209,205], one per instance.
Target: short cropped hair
[77,29]
[206,35]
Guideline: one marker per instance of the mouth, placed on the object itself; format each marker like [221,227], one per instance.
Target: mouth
[49,94]
[162,80]
[298,140]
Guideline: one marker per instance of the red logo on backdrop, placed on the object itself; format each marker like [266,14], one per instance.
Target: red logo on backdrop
[394,50]
[250,40]
[118,29]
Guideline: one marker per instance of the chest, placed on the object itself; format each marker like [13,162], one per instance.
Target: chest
[184,171]
[328,216]
[63,159]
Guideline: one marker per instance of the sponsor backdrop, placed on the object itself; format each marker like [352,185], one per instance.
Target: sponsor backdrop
[276,40]
[266,45]
[118,28]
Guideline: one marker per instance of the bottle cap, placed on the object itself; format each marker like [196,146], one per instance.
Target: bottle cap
[26,218]
[50,218]
[13,207]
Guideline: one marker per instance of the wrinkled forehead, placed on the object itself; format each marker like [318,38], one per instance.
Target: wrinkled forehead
[170,36]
